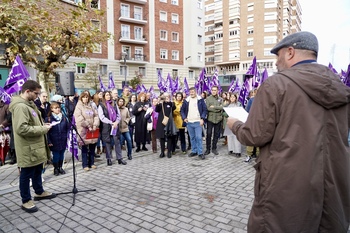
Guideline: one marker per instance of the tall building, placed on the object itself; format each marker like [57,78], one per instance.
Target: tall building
[148,35]
[238,30]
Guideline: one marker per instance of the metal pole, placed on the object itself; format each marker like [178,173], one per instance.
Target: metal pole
[124,70]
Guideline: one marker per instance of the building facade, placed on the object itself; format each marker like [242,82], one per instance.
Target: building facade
[238,30]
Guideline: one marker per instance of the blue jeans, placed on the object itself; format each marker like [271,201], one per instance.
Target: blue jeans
[58,155]
[26,174]
[126,137]
[131,132]
[195,131]
[88,155]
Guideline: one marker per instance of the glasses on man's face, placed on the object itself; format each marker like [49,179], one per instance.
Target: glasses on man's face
[36,93]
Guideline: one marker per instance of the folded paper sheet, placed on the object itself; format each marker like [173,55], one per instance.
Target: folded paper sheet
[236,112]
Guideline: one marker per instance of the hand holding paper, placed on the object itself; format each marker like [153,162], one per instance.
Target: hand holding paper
[235,113]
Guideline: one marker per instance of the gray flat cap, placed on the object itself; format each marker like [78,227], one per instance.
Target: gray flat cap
[298,40]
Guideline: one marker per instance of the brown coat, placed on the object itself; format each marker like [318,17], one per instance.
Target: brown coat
[301,125]
[85,116]
[125,118]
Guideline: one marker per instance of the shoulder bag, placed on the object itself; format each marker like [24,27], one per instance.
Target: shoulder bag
[165,119]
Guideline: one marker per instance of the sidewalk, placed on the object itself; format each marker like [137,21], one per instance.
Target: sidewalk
[149,194]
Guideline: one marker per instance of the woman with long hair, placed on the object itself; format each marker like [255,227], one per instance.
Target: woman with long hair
[179,122]
[123,126]
[110,118]
[86,119]
[95,102]
[139,111]
[130,106]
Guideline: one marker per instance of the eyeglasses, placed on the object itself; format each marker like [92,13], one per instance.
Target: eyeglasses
[37,93]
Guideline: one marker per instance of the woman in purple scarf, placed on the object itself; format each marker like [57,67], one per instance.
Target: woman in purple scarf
[110,133]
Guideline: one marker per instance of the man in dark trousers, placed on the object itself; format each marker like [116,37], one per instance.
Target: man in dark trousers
[300,120]
[30,140]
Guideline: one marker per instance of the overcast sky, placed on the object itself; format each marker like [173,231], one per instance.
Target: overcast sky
[330,22]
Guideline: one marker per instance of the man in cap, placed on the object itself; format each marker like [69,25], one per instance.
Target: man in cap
[300,120]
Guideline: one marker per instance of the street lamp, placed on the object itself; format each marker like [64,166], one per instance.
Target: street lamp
[124,55]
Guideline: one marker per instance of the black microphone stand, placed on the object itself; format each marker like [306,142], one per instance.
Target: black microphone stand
[72,127]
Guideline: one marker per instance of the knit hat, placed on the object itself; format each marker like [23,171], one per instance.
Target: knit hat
[299,40]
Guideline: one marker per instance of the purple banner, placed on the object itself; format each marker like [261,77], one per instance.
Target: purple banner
[102,87]
[111,84]
[17,77]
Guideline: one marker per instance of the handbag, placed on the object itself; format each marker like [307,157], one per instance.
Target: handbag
[92,134]
[149,126]
[165,119]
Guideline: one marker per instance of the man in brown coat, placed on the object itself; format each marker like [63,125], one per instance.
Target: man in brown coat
[300,120]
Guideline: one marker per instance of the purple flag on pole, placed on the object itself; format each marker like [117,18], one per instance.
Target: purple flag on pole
[347,77]
[237,87]
[111,84]
[6,98]
[244,92]
[17,77]
[330,66]
[232,86]
[102,87]
[186,87]
[215,81]
[264,75]
[72,136]
[253,69]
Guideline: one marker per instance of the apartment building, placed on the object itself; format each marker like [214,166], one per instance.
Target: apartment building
[148,35]
[238,30]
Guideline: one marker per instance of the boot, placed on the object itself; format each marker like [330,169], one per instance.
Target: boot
[169,154]
[60,169]
[138,149]
[56,171]
[121,161]
[129,157]
[109,162]
[144,148]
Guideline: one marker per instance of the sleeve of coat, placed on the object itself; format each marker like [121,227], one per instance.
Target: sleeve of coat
[263,118]
[183,110]
[97,119]
[78,115]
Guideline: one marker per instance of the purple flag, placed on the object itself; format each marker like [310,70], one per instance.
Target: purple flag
[330,66]
[169,84]
[215,81]
[244,92]
[201,80]
[264,75]
[102,87]
[6,98]
[346,80]
[72,136]
[232,86]
[110,81]
[161,83]
[17,77]
[176,85]
[252,70]
[186,87]
[237,88]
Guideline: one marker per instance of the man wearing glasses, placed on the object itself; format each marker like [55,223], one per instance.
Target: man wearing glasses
[31,145]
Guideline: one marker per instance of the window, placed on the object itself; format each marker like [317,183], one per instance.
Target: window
[103,69]
[125,31]
[163,0]
[160,70]
[163,54]
[199,39]
[270,40]
[96,25]
[191,74]
[199,4]
[218,35]
[127,50]
[175,37]
[175,2]
[233,32]
[199,21]
[250,19]
[250,41]
[123,70]
[163,16]
[175,18]
[267,52]
[270,16]
[95,4]
[97,48]
[199,57]
[81,68]
[142,71]
[139,54]
[250,54]
[270,28]
[163,35]
[175,55]
[125,11]
[250,6]
[138,33]
[234,44]
[138,13]
[250,31]
[175,73]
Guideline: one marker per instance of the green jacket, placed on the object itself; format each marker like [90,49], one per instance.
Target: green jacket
[29,133]
[215,113]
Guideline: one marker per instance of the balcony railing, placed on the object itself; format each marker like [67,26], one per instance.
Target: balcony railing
[133,58]
[138,1]
[137,18]
[125,37]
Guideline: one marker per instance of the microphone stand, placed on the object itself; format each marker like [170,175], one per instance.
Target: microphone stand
[72,127]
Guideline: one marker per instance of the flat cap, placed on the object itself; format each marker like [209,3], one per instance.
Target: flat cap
[299,40]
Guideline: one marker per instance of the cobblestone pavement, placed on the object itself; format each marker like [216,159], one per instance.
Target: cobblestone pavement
[149,194]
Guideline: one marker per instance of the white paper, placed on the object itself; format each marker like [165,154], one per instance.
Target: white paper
[235,112]
[54,123]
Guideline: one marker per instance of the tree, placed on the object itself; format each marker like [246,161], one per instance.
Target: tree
[136,80]
[46,33]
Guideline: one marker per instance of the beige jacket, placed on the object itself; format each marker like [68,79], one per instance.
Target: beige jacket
[125,118]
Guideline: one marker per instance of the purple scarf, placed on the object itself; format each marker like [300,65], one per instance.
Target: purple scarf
[111,112]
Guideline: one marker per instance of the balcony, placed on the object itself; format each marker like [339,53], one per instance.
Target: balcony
[137,19]
[143,2]
[125,38]
[136,59]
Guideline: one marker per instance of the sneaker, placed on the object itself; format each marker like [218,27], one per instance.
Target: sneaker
[93,166]
[247,159]
[215,152]
[44,195]
[207,152]
[29,207]
[192,154]
[86,169]
[184,152]
[201,156]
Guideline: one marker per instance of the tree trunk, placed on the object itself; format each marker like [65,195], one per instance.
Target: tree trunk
[43,81]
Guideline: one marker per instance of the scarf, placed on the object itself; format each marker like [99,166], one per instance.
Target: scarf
[58,117]
[111,112]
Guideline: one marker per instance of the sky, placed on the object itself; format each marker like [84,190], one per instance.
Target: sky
[330,22]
